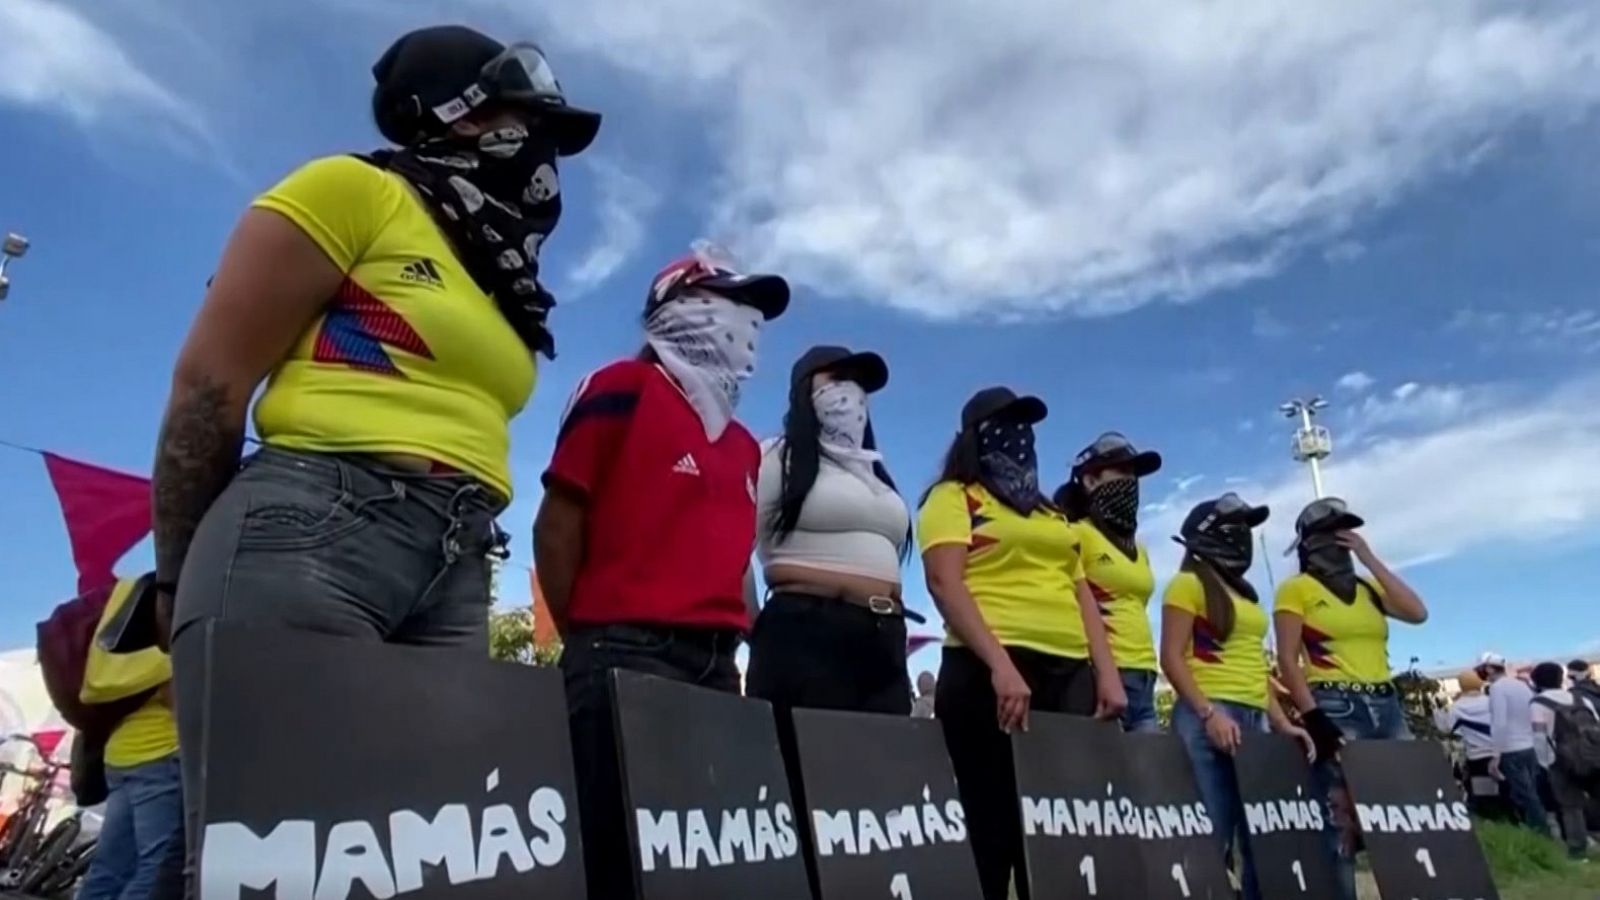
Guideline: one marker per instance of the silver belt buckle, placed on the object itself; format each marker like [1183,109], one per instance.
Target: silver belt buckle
[883,606]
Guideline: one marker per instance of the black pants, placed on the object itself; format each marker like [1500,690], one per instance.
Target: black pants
[981,752]
[821,653]
[694,656]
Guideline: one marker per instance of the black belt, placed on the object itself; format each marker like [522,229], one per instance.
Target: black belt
[877,604]
[1381,689]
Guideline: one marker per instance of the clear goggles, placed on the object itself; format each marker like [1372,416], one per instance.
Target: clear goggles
[520,73]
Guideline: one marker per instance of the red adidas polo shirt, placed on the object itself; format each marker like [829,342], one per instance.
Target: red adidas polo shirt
[671,514]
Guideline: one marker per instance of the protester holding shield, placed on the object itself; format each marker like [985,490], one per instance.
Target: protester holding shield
[833,534]
[642,542]
[1332,626]
[388,309]
[1023,631]
[1213,650]
[1101,500]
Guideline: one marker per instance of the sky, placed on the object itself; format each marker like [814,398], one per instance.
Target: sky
[1164,219]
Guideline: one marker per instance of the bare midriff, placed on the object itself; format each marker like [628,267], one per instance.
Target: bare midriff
[780,574]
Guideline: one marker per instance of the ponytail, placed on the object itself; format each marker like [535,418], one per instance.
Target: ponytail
[1219,600]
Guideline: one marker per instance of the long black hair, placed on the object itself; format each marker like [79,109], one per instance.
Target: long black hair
[1073,498]
[801,457]
[960,462]
[1219,599]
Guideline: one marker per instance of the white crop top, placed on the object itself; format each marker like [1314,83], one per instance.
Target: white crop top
[845,525]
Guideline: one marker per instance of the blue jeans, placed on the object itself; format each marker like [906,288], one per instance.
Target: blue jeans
[1362,717]
[1140,716]
[1521,772]
[1219,786]
[141,841]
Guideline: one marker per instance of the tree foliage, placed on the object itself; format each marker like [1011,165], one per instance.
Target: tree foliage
[511,638]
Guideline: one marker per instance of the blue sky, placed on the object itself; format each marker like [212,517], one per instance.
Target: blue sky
[1164,222]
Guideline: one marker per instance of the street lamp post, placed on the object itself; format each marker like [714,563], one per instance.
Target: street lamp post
[1312,443]
[13,247]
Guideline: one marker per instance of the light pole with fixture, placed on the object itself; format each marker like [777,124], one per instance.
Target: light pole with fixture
[13,247]
[1312,443]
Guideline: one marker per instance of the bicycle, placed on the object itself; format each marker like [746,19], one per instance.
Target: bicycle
[23,834]
[61,861]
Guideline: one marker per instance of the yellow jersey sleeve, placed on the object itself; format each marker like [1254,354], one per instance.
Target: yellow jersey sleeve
[1184,592]
[340,202]
[944,517]
[1291,597]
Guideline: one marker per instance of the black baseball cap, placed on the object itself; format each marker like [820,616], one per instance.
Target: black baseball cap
[994,401]
[1112,449]
[1324,514]
[1209,514]
[767,293]
[865,368]
[433,76]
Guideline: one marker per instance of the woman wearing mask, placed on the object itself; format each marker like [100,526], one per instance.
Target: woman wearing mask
[1023,631]
[1101,500]
[391,304]
[833,532]
[1333,647]
[1213,650]
[642,541]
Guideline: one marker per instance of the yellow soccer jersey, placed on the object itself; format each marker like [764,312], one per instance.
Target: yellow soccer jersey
[410,356]
[1021,570]
[1122,588]
[1344,642]
[1234,669]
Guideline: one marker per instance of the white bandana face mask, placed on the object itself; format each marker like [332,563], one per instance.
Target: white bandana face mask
[842,416]
[708,343]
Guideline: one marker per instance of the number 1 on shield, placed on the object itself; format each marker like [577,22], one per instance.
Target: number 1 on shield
[1426,859]
[1086,869]
[1299,875]
[900,887]
[1181,878]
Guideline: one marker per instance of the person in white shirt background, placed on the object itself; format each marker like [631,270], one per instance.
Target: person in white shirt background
[1572,790]
[1467,720]
[1511,727]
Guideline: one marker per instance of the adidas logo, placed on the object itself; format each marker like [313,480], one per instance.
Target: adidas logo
[1105,559]
[422,271]
[687,466]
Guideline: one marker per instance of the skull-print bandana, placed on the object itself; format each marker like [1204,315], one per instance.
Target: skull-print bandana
[1007,464]
[708,343]
[841,408]
[497,197]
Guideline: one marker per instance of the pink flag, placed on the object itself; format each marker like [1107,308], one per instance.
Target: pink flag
[107,512]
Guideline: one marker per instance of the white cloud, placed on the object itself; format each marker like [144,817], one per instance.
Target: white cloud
[1080,157]
[1414,404]
[1554,329]
[59,61]
[626,203]
[1518,470]
[1356,382]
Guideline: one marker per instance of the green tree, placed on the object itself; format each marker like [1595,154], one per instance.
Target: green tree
[511,638]
[1420,697]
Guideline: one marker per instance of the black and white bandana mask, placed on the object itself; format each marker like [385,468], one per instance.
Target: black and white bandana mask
[1007,464]
[1114,505]
[497,196]
[841,408]
[708,343]
[1325,559]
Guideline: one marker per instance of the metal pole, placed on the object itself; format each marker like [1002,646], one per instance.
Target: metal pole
[1316,465]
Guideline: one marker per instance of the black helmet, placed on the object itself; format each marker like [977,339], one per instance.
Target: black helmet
[432,77]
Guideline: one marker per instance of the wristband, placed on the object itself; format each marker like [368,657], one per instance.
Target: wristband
[1209,714]
[170,588]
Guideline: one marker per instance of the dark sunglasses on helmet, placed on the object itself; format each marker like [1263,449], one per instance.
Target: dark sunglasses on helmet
[1112,449]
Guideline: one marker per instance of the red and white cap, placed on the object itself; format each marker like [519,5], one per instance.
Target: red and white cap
[709,269]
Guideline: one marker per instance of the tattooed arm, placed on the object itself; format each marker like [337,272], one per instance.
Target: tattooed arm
[271,284]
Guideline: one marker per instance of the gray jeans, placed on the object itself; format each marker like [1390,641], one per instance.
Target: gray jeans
[337,545]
